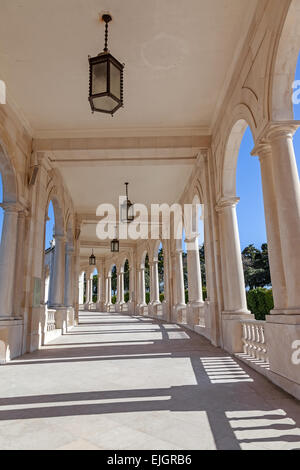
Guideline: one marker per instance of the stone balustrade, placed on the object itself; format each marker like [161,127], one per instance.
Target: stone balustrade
[254,342]
[51,324]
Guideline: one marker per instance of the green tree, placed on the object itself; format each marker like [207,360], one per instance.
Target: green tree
[114,279]
[256,266]
[161,269]
[147,273]
[126,276]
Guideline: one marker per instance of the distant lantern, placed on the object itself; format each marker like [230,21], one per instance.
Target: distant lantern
[115,245]
[92,259]
[106,79]
[127,209]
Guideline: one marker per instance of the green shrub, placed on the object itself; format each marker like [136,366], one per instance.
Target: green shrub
[186,296]
[114,299]
[147,298]
[94,298]
[204,290]
[162,296]
[126,297]
[260,302]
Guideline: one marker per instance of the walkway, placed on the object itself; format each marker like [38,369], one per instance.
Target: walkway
[120,382]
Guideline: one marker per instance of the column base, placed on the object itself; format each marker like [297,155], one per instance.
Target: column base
[195,314]
[283,342]
[36,320]
[232,331]
[11,338]
[61,319]
[178,313]
[100,307]
[155,309]
[166,310]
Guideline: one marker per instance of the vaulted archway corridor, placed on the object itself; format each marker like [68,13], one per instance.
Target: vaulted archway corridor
[124,382]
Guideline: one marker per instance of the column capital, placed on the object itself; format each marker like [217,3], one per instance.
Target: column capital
[192,239]
[11,207]
[277,129]
[226,202]
[262,150]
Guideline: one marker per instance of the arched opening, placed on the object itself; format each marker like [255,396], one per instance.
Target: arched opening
[147,279]
[242,179]
[95,286]
[49,245]
[54,244]
[114,284]
[161,271]
[127,286]
[297,113]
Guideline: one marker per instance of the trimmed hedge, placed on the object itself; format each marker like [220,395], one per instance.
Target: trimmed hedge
[260,302]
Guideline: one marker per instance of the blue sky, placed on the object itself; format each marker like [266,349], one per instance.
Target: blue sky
[250,210]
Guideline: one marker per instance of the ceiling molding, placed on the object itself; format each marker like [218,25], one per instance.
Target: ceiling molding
[122,132]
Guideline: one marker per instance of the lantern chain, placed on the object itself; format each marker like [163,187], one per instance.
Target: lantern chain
[106,38]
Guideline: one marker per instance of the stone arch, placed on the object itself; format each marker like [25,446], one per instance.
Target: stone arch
[231,153]
[69,230]
[53,196]
[143,258]
[284,65]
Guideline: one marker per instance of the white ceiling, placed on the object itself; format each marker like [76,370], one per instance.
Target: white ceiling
[149,184]
[178,55]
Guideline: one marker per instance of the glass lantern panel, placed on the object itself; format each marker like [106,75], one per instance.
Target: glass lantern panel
[105,103]
[115,81]
[99,74]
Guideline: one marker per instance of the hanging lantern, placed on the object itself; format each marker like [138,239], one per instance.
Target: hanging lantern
[106,79]
[115,244]
[127,209]
[92,259]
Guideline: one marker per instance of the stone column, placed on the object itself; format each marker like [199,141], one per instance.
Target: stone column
[8,259]
[58,273]
[142,288]
[81,289]
[236,302]
[20,266]
[194,273]
[87,291]
[155,283]
[195,306]
[109,292]
[121,286]
[99,291]
[132,296]
[102,300]
[91,289]
[179,279]
[264,152]
[287,186]
[118,292]
[69,276]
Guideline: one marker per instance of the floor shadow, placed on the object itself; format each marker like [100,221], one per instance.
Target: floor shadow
[229,393]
